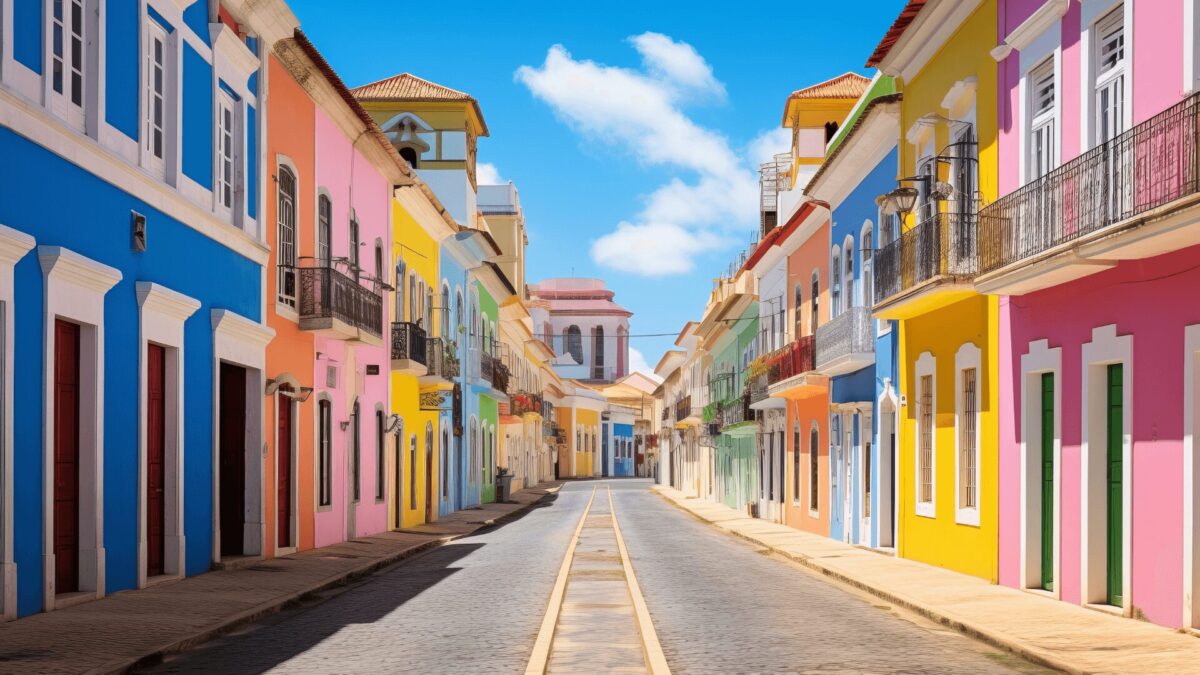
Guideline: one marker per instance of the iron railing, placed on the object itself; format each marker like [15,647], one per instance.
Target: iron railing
[1148,166]
[795,359]
[941,246]
[523,402]
[736,410]
[441,358]
[500,376]
[851,332]
[409,342]
[757,387]
[683,408]
[328,293]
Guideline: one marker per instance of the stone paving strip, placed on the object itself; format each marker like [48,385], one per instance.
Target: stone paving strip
[1065,637]
[597,621]
[132,628]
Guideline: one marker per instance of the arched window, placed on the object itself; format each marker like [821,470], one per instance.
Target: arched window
[429,309]
[598,353]
[378,262]
[445,466]
[324,229]
[354,244]
[458,310]
[835,283]
[798,313]
[401,273]
[445,310]
[574,340]
[286,246]
[867,251]
[830,131]
[410,156]
[848,259]
[412,296]
[814,299]
[814,471]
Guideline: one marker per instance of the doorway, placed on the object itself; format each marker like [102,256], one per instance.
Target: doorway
[429,474]
[885,516]
[156,441]
[283,478]
[66,456]
[398,479]
[845,455]
[232,459]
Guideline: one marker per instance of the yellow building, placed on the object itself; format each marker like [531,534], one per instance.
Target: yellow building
[422,372]
[924,266]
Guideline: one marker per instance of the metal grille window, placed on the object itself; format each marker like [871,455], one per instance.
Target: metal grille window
[325,453]
[287,237]
[925,439]
[226,150]
[814,471]
[968,442]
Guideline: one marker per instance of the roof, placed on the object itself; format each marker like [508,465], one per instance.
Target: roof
[846,85]
[893,35]
[409,87]
[858,122]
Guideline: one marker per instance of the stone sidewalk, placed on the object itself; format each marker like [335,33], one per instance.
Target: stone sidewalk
[121,631]
[1056,634]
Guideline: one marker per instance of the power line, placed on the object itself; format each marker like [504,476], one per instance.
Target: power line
[647,335]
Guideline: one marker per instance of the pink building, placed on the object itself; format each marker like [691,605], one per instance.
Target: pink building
[587,329]
[1093,248]
[352,365]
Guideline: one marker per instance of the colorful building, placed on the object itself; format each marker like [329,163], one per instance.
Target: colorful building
[587,329]
[948,352]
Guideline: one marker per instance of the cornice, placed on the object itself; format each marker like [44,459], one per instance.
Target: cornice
[236,55]
[63,264]
[925,37]
[162,300]
[238,327]
[14,244]
[1023,35]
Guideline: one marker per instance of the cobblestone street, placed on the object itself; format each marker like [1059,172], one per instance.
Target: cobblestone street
[475,605]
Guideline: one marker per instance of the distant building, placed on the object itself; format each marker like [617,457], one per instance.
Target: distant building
[587,330]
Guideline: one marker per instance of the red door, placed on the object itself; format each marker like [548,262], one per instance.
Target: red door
[233,459]
[283,495]
[156,478]
[66,457]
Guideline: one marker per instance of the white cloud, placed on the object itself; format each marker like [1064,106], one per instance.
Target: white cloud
[713,195]
[638,364]
[652,249]
[768,144]
[486,173]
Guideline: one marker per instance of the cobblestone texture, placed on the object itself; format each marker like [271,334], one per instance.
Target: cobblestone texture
[471,606]
[719,606]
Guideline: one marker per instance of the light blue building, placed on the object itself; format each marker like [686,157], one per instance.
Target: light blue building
[860,166]
[622,450]
[131,272]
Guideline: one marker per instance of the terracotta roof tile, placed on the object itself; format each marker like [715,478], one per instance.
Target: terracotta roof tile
[846,85]
[890,38]
[408,87]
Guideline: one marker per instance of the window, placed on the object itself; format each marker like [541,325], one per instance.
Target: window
[325,453]
[228,147]
[401,274]
[324,230]
[445,463]
[867,252]
[835,284]
[814,299]
[474,450]
[848,259]
[575,343]
[1110,76]
[814,471]
[429,457]
[378,263]
[445,310]
[67,60]
[287,237]
[356,453]
[796,464]
[412,472]
[428,325]
[458,309]
[925,440]
[598,354]
[1042,155]
[866,466]
[967,441]
[354,243]
[926,207]
[154,142]
[380,449]
[412,296]
[798,302]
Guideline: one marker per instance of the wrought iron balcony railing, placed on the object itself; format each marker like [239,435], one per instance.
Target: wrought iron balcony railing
[683,408]
[523,402]
[757,388]
[1147,167]
[328,294]
[736,410]
[851,332]
[441,358]
[409,342]
[943,246]
[795,359]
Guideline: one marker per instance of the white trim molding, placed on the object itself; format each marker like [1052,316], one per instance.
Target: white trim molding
[1037,23]
[926,365]
[13,246]
[75,287]
[163,313]
[1105,349]
[1038,361]
[967,357]
[1191,498]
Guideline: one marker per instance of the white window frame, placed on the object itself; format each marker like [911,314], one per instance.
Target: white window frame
[1039,360]
[926,365]
[835,283]
[1042,124]
[154,31]
[848,267]
[1091,15]
[231,132]
[282,306]
[967,358]
[60,103]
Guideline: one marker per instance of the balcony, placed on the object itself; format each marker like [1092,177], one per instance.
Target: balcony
[930,266]
[666,413]
[409,348]
[1125,199]
[525,403]
[500,376]
[791,371]
[759,390]
[846,343]
[441,362]
[333,304]
[735,411]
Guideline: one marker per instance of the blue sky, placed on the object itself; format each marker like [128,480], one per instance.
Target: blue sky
[631,133]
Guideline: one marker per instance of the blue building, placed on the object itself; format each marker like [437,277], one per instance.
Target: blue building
[622,450]
[131,272]
[860,166]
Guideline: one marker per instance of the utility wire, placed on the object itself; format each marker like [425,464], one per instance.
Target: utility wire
[643,335]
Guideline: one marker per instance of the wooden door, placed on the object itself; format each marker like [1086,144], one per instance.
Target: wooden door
[1116,490]
[66,457]
[283,487]
[1048,481]
[232,459]
[156,475]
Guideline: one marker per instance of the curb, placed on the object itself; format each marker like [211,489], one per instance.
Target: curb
[281,603]
[998,640]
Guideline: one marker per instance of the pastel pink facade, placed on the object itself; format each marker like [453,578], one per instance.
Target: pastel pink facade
[355,189]
[1150,301]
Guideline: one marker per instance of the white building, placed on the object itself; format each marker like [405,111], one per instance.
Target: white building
[587,330]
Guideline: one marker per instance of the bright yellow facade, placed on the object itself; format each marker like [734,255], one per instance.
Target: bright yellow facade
[418,250]
[587,424]
[947,332]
